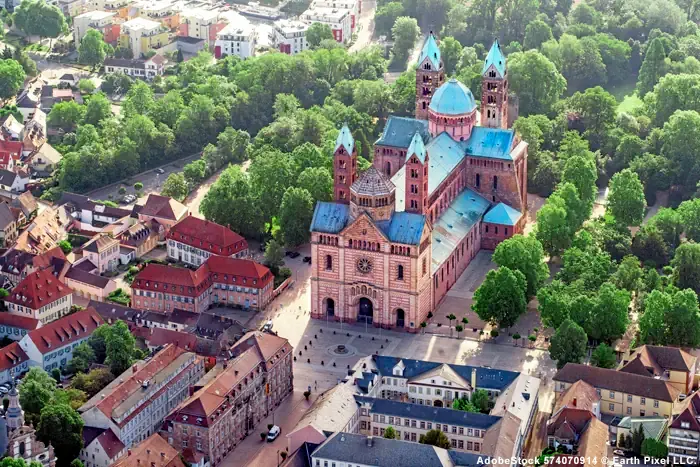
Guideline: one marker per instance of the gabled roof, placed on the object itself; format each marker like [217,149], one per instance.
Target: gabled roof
[628,383]
[431,50]
[110,443]
[663,358]
[7,178]
[38,289]
[207,235]
[88,278]
[416,148]
[164,207]
[20,322]
[444,371]
[345,139]
[154,451]
[11,356]
[502,214]
[330,217]
[637,367]
[495,58]
[689,414]
[403,227]
[64,331]
[7,217]
[155,337]
[569,423]
[398,131]
[580,395]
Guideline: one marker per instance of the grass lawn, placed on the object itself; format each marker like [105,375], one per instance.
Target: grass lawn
[627,98]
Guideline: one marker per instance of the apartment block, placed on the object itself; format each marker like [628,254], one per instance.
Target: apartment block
[339,20]
[141,35]
[289,36]
[41,296]
[102,21]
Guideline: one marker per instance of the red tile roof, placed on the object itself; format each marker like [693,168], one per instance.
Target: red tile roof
[153,452]
[159,336]
[238,271]
[13,148]
[11,356]
[110,443]
[66,330]
[17,321]
[38,289]
[162,206]
[208,236]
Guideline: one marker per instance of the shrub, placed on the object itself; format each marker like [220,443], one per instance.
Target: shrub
[516,336]
[122,190]
[494,333]
[138,186]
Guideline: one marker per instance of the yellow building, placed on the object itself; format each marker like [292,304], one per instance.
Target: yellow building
[667,363]
[621,393]
[162,11]
[141,35]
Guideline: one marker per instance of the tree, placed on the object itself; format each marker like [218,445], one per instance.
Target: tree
[316,33]
[435,438]
[35,392]
[175,186]
[274,255]
[464,404]
[66,115]
[450,52]
[12,77]
[568,344]
[98,109]
[86,86]
[295,215]
[480,400]
[552,229]
[650,247]
[83,357]
[93,382]
[653,67]
[232,145]
[93,49]
[537,33]
[76,463]
[689,213]
[637,436]
[670,318]
[139,99]
[38,18]
[98,342]
[65,246]
[554,303]
[524,254]
[72,397]
[597,110]
[603,357]
[581,171]
[670,224]
[61,426]
[318,181]
[500,299]
[120,345]
[270,176]
[629,274]
[196,171]
[536,81]
[390,433]
[385,17]
[653,448]
[405,33]
[626,201]
[610,315]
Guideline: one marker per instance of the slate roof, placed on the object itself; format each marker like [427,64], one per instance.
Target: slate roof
[430,50]
[416,147]
[495,58]
[353,449]
[487,378]
[466,459]
[372,182]
[345,139]
[455,223]
[490,142]
[404,227]
[398,131]
[502,214]
[690,413]
[7,178]
[330,217]
[6,216]
[87,278]
[628,383]
[453,98]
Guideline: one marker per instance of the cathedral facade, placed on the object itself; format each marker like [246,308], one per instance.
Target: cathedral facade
[442,186]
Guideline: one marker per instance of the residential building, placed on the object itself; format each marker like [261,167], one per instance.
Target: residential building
[201,24]
[154,451]
[27,103]
[15,182]
[138,68]
[44,232]
[289,36]
[103,21]
[684,433]
[163,11]
[138,239]
[135,404]
[51,346]
[165,211]
[654,427]
[71,8]
[349,449]
[399,235]
[339,20]
[85,280]
[13,362]
[101,448]
[671,364]
[141,35]
[120,8]
[237,39]
[45,160]
[41,296]
[218,281]
[85,211]
[233,401]
[103,252]
[15,327]
[8,225]
[34,134]
[576,412]
[178,320]
[193,240]
[157,337]
[353,6]
[112,312]
[621,393]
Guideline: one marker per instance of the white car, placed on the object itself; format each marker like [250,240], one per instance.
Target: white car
[273,433]
[3,390]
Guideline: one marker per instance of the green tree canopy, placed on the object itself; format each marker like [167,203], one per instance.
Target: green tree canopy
[120,346]
[604,356]
[317,33]
[626,201]
[61,426]
[295,216]
[12,77]
[405,33]
[568,344]
[536,81]
[435,438]
[500,299]
[524,254]
[93,49]
[175,186]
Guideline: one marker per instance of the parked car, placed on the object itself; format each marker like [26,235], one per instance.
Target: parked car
[267,327]
[3,390]
[160,171]
[294,254]
[307,259]
[273,433]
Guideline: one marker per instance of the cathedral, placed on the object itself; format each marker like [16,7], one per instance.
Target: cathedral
[442,186]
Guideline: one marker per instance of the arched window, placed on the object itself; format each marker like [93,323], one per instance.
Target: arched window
[388,168]
[487,228]
[478,180]
[495,182]
[329,262]
[399,273]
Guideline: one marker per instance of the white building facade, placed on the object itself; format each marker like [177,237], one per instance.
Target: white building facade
[289,36]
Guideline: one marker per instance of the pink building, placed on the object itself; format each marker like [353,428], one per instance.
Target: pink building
[441,188]
[103,252]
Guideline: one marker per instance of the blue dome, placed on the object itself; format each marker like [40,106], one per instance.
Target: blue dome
[452,98]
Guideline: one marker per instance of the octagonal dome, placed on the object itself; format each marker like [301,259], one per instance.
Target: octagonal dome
[453,98]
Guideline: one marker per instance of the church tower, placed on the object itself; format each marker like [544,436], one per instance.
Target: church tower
[494,89]
[344,165]
[416,176]
[14,414]
[430,74]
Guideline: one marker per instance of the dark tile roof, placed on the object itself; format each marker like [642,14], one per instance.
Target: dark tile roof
[354,449]
[487,378]
[126,63]
[94,280]
[7,177]
[466,459]
[690,414]
[619,381]
[398,131]
[111,312]
[429,413]
[90,433]
[6,216]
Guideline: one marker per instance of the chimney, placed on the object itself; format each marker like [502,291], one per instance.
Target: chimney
[135,368]
[573,402]
[162,454]
[128,452]
[473,378]
[369,441]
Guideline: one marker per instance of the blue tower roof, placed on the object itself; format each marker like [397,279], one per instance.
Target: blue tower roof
[345,139]
[416,147]
[453,98]
[495,58]
[430,50]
